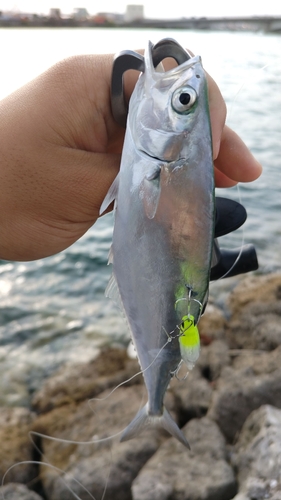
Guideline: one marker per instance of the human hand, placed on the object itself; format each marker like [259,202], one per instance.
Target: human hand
[232,159]
[60,150]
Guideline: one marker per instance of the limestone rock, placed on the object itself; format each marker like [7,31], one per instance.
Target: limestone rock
[258,454]
[16,491]
[259,445]
[256,327]
[241,496]
[84,381]
[92,459]
[238,394]
[255,289]
[192,395]
[255,361]
[223,397]
[175,473]
[16,446]
[212,324]
[213,359]
[255,306]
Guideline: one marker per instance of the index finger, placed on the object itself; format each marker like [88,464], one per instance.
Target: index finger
[235,163]
[217,109]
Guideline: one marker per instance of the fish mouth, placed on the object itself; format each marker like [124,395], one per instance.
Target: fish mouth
[162,160]
[157,158]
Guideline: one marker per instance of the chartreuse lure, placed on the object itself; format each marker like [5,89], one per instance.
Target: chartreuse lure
[189,341]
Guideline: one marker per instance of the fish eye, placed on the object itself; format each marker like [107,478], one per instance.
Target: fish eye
[183,99]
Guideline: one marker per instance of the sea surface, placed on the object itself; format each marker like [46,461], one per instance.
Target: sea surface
[53,311]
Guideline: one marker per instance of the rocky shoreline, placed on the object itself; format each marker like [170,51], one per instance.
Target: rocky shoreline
[229,408]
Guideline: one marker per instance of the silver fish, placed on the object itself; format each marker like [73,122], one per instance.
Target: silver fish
[164,223]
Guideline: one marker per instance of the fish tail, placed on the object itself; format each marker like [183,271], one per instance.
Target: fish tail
[143,420]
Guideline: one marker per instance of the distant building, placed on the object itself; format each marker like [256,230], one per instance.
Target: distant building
[81,14]
[112,17]
[55,14]
[134,13]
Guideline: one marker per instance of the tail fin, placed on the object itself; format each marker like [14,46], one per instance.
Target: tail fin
[143,420]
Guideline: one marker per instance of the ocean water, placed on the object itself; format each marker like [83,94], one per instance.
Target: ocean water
[53,311]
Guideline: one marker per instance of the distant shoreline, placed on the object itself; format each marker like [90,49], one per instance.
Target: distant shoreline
[252,24]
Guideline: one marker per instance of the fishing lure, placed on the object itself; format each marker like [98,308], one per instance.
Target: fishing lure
[189,341]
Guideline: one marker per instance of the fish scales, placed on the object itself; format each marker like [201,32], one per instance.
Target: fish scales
[164,223]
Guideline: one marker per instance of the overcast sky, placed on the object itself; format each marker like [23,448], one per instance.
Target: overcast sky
[153,8]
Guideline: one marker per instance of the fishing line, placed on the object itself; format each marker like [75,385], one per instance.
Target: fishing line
[46,463]
[140,372]
[258,72]
[241,243]
[69,441]
[33,434]
[57,469]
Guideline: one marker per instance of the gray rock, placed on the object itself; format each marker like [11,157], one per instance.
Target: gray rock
[255,289]
[81,381]
[193,390]
[108,474]
[276,496]
[257,327]
[255,488]
[212,324]
[175,473]
[238,394]
[153,487]
[259,445]
[192,395]
[256,361]
[16,446]
[213,359]
[87,462]
[258,455]
[256,313]
[229,384]
[241,496]
[16,491]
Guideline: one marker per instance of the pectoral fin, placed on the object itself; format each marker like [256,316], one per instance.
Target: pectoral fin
[151,190]
[111,195]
